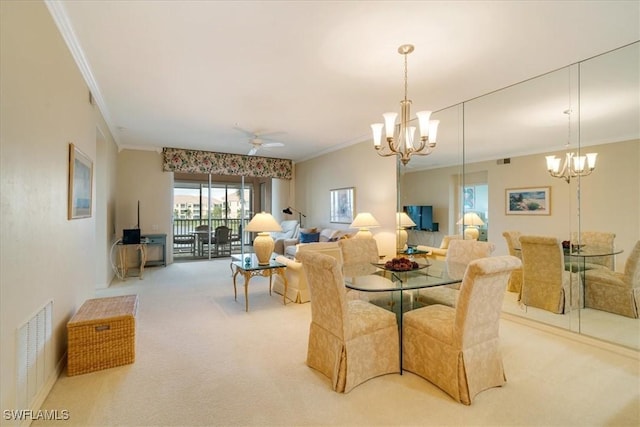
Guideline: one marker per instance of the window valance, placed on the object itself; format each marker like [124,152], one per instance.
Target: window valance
[196,161]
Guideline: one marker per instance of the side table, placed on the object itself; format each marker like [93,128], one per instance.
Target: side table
[123,258]
[251,269]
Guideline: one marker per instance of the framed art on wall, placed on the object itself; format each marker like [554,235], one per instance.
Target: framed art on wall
[342,205]
[528,201]
[80,184]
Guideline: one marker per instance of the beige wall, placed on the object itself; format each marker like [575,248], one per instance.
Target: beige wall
[610,196]
[140,178]
[44,256]
[373,177]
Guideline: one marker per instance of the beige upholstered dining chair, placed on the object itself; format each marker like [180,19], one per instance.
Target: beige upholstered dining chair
[615,292]
[350,341]
[459,255]
[358,259]
[599,239]
[358,256]
[458,348]
[545,283]
[513,245]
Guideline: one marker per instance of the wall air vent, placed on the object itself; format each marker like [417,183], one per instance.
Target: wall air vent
[504,161]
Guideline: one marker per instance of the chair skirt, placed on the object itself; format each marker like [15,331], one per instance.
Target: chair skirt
[461,373]
[358,359]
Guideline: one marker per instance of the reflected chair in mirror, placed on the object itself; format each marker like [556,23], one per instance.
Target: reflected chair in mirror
[458,349]
[222,240]
[615,292]
[597,239]
[440,252]
[358,259]
[350,341]
[513,245]
[459,255]
[545,283]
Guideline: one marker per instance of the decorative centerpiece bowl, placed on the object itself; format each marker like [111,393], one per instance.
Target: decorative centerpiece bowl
[401,264]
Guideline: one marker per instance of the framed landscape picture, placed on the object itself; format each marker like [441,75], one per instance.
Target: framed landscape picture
[80,184]
[342,205]
[528,201]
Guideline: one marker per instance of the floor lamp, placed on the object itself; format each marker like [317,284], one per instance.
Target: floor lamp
[290,210]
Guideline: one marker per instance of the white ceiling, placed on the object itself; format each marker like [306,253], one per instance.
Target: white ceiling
[314,74]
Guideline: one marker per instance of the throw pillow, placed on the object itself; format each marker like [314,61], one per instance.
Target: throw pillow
[309,237]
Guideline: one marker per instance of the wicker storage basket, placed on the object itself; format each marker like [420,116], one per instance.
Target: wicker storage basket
[102,334]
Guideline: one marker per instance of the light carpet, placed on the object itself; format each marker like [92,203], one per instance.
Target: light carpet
[201,360]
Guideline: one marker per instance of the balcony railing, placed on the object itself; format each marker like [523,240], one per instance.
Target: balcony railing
[187,228]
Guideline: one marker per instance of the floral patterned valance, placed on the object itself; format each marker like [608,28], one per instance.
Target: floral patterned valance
[195,161]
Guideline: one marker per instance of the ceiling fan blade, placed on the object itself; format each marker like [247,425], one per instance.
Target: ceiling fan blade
[273,144]
[253,151]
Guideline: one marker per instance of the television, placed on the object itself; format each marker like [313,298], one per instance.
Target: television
[423,217]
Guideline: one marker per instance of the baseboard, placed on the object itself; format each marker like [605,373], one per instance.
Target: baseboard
[46,388]
[574,336]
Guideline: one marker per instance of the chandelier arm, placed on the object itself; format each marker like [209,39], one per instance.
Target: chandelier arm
[423,153]
[382,153]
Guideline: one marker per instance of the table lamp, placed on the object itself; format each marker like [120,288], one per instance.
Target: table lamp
[403,222]
[471,220]
[263,245]
[364,221]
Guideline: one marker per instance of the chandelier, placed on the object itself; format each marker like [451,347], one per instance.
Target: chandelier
[400,137]
[574,165]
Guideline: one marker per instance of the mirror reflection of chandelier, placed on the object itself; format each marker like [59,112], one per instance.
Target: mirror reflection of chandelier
[574,164]
[404,144]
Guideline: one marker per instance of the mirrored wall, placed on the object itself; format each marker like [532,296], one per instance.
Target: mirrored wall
[495,145]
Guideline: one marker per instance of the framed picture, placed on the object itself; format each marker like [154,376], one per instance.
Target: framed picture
[342,205]
[528,201]
[469,198]
[80,184]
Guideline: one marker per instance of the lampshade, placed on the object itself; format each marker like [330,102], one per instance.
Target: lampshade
[263,244]
[403,220]
[263,222]
[471,218]
[472,221]
[364,221]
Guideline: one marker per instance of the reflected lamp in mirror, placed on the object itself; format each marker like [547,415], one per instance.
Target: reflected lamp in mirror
[403,222]
[471,221]
[364,221]
[573,166]
[263,223]
[404,144]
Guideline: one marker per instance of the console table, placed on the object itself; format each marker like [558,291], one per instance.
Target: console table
[160,241]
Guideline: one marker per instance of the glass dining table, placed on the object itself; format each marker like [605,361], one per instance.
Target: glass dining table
[431,273]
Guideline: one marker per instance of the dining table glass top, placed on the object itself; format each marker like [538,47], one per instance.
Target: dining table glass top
[380,279]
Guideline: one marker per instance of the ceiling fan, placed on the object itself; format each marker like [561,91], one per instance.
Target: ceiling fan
[259,141]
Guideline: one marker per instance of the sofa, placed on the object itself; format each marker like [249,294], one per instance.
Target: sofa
[297,287]
[439,252]
[310,236]
[290,230]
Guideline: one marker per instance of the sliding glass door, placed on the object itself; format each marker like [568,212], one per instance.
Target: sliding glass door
[200,205]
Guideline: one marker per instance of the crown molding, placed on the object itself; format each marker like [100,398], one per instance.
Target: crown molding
[59,14]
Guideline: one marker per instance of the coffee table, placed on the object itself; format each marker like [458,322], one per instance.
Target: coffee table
[248,266]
